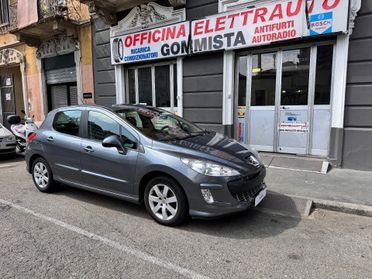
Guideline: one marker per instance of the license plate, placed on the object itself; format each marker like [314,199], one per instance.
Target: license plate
[260,197]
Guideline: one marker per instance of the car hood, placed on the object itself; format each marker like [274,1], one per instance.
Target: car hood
[4,132]
[217,147]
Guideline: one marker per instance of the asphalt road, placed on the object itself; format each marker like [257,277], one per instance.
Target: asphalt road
[76,234]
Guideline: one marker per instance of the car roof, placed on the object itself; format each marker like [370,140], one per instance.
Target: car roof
[141,108]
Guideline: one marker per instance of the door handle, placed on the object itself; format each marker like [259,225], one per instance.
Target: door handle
[50,139]
[88,149]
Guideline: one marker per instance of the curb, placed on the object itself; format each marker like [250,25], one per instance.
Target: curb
[297,206]
[349,208]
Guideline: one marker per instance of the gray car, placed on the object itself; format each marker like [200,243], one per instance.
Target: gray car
[146,155]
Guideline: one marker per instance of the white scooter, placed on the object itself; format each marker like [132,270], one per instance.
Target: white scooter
[22,129]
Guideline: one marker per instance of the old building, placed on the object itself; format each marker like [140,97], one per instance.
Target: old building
[283,76]
[46,56]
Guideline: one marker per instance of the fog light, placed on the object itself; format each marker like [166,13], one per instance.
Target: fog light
[207,195]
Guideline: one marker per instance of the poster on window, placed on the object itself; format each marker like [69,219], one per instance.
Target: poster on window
[265,23]
[163,42]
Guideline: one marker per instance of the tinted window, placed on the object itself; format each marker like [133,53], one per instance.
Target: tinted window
[101,126]
[67,122]
[160,125]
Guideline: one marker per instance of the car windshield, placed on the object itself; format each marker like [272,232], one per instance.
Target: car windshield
[159,124]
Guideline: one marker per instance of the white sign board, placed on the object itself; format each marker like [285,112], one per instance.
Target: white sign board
[294,127]
[163,42]
[269,22]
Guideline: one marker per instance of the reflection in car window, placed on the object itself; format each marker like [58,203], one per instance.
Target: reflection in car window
[101,126]
[67,122]
[159,124]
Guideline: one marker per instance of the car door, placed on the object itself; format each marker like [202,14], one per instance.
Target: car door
[62,145]
[105,168]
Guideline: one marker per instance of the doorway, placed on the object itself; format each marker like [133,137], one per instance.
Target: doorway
[283,102]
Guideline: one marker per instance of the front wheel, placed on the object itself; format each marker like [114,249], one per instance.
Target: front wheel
[166,202]
[42,176]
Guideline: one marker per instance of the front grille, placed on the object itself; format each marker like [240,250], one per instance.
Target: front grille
[249,195]
[1,139]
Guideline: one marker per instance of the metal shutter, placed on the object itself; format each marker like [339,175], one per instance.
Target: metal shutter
[64,75]
[73,96]
[59,96]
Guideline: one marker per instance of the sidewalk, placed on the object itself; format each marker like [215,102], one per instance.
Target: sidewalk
[340,185]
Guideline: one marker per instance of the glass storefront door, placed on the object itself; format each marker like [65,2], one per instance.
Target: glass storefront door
[283,100]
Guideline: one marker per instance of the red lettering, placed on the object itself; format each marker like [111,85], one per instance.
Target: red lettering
[143,37]
[245,16]
[260,14]
[327,6]
[128,41]
[298,8]
[198,28]
[207,29]
[182,31]
[156,36]
[220,23]
[277,12]
[171,33]
[136,38]
[232,18]
[310,7]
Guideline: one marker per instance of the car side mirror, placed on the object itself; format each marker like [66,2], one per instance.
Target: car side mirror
[114,141]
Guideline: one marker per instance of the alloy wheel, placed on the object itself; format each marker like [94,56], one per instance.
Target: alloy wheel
[163,202]
[41,175]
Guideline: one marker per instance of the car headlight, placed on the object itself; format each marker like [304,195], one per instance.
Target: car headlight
[209,168]
[10,138]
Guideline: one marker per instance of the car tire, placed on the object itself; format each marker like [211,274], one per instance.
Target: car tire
[165,201]
[42,176]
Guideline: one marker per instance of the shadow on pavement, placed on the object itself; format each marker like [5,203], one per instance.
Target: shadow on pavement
[6,159]
[245,225]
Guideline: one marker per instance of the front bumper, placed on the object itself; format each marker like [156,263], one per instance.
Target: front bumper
[7,148]
[231,196]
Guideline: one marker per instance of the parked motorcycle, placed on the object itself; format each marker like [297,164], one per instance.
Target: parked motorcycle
[22,129]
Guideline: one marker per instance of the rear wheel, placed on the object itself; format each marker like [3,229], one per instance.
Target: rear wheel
[166,202]
[42,176]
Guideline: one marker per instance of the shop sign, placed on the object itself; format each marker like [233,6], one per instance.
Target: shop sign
[266,23]
[294,127]
[164,42]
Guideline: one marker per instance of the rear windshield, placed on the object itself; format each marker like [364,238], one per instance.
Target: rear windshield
[160,125]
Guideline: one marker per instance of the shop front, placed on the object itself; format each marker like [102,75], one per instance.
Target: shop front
[284,98]
[271,74]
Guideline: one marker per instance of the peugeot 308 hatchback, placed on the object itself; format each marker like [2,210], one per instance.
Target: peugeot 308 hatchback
[146,155]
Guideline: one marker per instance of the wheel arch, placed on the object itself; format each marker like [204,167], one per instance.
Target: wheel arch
[152,174]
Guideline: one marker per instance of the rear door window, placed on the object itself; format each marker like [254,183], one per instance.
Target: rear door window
[68,122]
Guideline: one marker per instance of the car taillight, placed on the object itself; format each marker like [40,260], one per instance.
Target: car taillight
[31,137]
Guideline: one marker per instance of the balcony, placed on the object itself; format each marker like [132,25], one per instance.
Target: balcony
[38,20]
[109,8]
[9,22]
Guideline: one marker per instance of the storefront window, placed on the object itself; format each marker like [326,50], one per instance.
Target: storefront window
[263,79]
[295,80]
[144,86]
[323,75]
[242,81]
[132,86]
[162,86]
[158,92]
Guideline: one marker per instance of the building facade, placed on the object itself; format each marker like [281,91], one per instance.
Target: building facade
[283,76]
[45,56]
